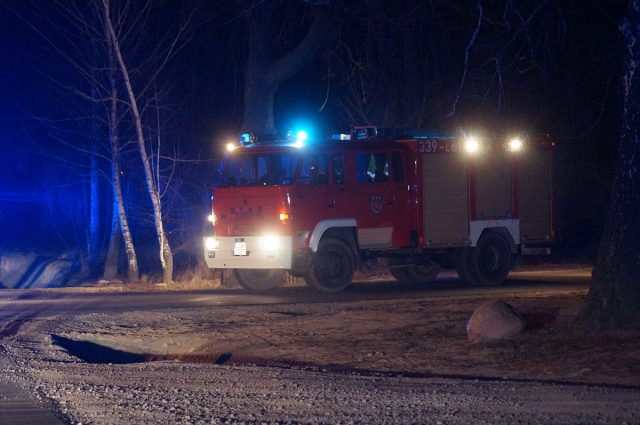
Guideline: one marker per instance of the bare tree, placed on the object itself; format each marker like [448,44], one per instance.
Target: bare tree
[81,135]
[416,63]
[151,177]
[89,38]
[119,221]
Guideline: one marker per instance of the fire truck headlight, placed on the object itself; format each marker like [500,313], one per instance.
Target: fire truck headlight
[515,144]
[269,243]
[212,244]
[471,144]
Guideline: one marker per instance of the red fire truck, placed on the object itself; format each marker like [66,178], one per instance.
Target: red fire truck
[416,200]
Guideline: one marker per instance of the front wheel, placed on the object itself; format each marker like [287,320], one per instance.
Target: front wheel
[332,266]
[259,280]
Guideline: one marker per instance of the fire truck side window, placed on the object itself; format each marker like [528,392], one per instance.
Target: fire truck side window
[338,168]
[314,169]
[398,168]
[373,167]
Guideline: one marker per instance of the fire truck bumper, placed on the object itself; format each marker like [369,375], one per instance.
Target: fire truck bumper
[248,252]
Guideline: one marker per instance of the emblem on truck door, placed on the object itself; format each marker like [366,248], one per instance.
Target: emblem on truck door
[376,204]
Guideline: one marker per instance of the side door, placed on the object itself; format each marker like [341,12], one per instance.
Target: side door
[341,183]
[312,199]
[402,208]
[374,196]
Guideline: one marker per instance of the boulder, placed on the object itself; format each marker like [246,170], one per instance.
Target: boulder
[493,321]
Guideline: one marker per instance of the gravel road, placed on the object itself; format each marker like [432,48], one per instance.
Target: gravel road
[406,335]
[173,392]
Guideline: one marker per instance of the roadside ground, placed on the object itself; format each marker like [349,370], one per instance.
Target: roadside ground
[423,336]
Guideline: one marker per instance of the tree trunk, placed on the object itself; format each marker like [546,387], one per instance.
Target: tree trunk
[119,214]
[113,251]
[264,75]
[614,297]
[93,241]
[132,260]
[258,110]
[166,257]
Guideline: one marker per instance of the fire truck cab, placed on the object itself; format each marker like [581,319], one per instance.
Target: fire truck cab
[419,200]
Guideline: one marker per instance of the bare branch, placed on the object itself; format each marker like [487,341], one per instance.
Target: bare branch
[467,52]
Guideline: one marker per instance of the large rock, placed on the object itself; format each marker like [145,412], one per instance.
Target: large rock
[493,321]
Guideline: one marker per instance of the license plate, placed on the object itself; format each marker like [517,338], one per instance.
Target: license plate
[240,248]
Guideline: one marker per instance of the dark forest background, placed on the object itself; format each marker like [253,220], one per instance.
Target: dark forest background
[507,65]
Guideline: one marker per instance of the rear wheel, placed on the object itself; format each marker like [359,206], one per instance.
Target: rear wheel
[332,266]
[259,280]
[493,259]
[414,273]
[398,270]
[464,266]
[423,273]
[400,274]
[487,264]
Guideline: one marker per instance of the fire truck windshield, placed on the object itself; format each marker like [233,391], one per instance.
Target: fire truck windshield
[259,170]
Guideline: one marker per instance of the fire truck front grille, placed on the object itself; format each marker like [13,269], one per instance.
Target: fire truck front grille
[245,230]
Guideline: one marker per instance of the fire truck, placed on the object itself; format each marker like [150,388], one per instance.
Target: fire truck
[418,201]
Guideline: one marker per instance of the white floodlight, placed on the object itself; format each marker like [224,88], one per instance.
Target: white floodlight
[516,144]
[471,144]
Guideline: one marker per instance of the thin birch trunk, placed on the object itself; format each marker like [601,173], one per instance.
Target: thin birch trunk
[166,258]
[118,200]
[132,260]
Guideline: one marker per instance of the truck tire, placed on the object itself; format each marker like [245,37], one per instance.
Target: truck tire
[464,266]
[492,259]
[422,273]
[399,273]
[488,264]
[414,274]
[259,280]
[332,266]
